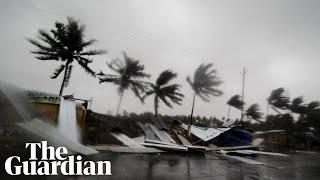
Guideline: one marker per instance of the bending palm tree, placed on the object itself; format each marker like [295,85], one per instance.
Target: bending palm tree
[65,43]
[297,106]
[127,76]
[236,102]
[279,99]
[163,91]
[253,112]
[204,84]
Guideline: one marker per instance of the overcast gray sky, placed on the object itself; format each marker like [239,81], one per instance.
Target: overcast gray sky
[278,42]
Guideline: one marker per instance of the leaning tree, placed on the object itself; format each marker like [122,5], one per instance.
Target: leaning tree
[204,84]
[254,112]
[128,75]
[236,102]
[65,43]
[279,99]
[164,91]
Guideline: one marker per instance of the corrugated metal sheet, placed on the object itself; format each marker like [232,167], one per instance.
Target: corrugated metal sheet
[159,123]
[161,134]
[205,134]
[126,140]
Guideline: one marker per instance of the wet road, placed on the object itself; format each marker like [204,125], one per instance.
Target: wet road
[201,167]
[183,166]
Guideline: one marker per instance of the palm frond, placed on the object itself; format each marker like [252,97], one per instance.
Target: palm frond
[235,101]
[279,99]
[89,43]
[115,80]
[313,105]
[85,66]
[165,77]
[93,52]
[297,106]
[57,71]
[253,112]
[205,82]
[165,101]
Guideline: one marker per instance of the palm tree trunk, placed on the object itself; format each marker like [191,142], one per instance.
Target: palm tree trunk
[189,128]
[64,79]
[229,112]
[156,101]
[121,95]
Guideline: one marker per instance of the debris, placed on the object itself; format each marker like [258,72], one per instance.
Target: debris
[164,146]
[125,149]
[46,131]
[242,159]
[205,134]
[126,140]
[182,139]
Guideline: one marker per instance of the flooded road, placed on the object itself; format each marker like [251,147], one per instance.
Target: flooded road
[183,166]
[198,166]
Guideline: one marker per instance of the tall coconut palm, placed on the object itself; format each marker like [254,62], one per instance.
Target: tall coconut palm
[127,76]
[204,84]
[279,99]
[253,112]
[236,102]
[163,91]
[65,43]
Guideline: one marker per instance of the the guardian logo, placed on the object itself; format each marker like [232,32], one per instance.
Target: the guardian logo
[53,163]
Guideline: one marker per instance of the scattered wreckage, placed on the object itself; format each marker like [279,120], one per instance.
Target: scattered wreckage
[155,135]
[160,138]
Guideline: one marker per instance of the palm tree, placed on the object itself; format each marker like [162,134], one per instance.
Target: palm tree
[127,76]
[65,43]
[163,90]
[253,112]
[297,106]
[279,99]
[204,84]
[312,106]
[236,102]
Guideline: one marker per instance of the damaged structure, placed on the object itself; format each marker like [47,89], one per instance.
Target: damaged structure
[64,122]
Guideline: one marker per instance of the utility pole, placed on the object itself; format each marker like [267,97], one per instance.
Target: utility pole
[243,81]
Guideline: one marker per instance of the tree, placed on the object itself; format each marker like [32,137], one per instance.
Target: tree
[65,43]
[204,84]
[163,90]
[297,106]
[236,102]
[253,112]
[128,75]
[279,99]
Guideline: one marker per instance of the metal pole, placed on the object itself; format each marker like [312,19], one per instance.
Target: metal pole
[243,81]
